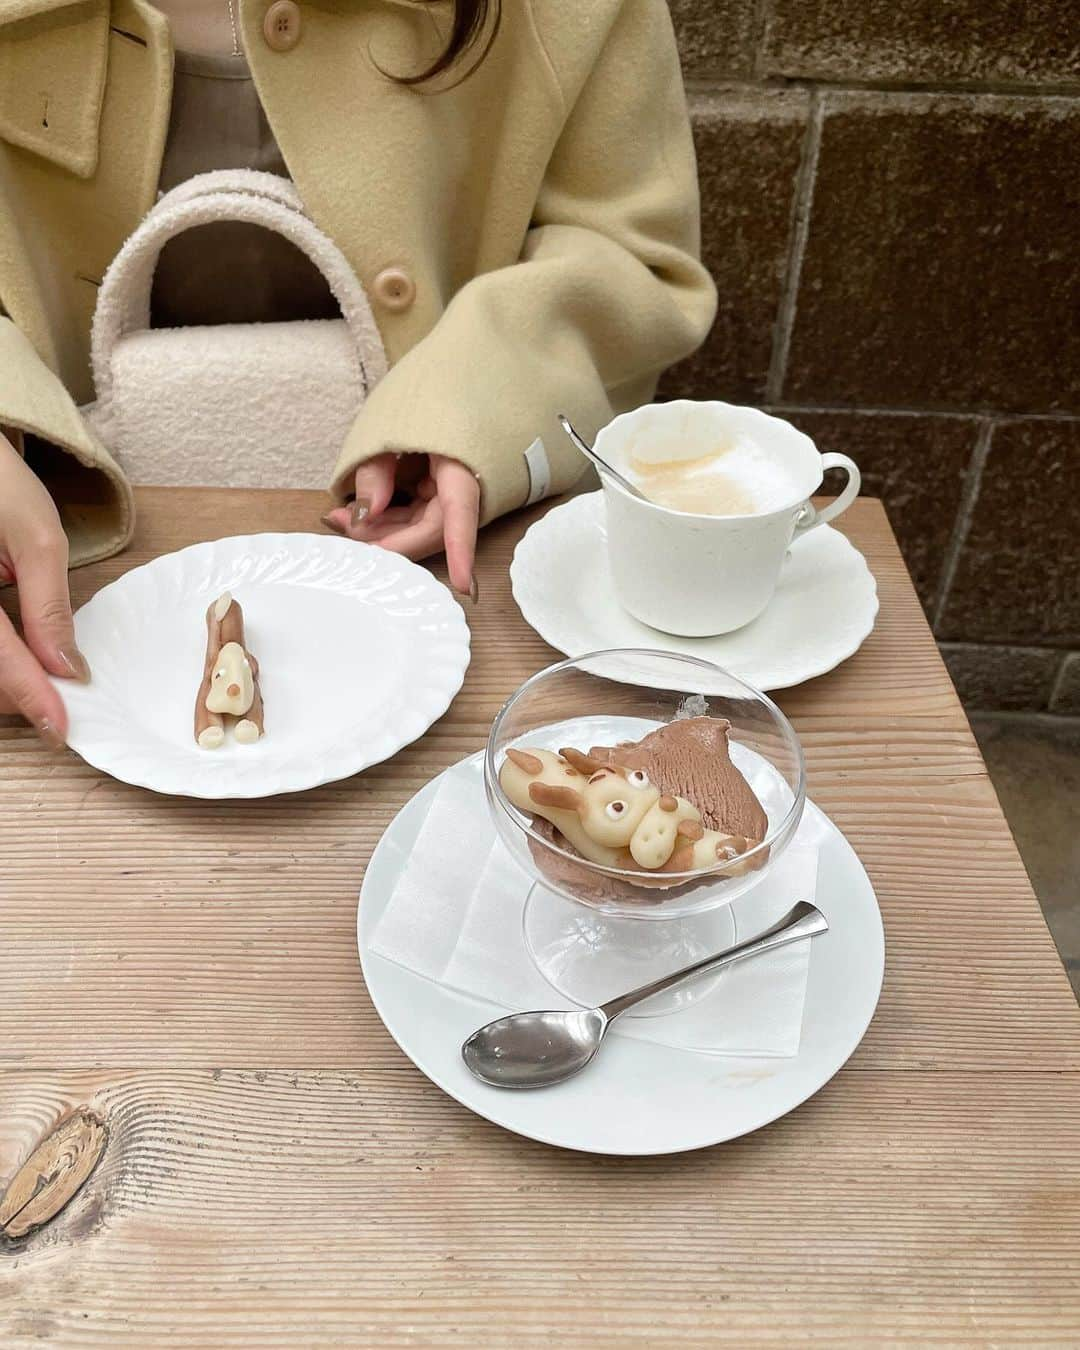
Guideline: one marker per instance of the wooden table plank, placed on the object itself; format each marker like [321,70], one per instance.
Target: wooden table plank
[278,1173]
[276,1208]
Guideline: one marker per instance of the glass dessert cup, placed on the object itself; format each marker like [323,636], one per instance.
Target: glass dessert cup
[594,931]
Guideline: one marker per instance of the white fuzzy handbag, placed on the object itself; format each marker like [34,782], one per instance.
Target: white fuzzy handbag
[229,405]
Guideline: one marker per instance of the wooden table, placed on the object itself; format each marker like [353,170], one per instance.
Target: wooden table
[277,1173]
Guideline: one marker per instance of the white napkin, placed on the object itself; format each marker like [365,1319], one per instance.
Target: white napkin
[455,916]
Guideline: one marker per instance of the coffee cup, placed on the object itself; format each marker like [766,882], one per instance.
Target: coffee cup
[749,475]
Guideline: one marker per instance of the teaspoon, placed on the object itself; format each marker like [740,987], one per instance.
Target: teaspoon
[539,1049]
[602,464]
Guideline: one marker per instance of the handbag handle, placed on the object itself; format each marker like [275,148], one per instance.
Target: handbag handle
[264,199]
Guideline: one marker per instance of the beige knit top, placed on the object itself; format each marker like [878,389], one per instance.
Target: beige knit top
[227,272]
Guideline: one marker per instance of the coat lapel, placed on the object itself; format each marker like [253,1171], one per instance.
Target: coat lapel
[53,58]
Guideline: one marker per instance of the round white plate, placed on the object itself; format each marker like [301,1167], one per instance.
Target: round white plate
[638,1097]
[359,652]
[822,612]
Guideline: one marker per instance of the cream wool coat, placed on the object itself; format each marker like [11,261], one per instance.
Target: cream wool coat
[546,209]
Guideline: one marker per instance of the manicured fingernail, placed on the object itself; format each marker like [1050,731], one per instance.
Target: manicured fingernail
[331,524]
[77,665]
[361,510]
[474,590]
[49,734]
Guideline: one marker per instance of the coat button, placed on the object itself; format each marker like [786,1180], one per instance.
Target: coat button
[281,26]
[394,288]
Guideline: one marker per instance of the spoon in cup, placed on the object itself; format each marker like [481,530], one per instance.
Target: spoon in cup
[601,464]
[539,1049]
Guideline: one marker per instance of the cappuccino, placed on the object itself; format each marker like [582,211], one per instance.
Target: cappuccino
[725,493]
[739,479]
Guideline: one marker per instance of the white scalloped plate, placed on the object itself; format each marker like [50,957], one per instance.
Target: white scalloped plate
[639,1097]
[360,651]
[823,610]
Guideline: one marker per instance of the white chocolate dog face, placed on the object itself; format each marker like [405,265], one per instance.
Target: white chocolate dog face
[614,805]
[232,688]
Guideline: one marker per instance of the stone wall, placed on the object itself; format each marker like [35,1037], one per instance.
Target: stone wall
[890,194]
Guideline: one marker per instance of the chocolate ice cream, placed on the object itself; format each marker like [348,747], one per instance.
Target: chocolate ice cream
[691,759]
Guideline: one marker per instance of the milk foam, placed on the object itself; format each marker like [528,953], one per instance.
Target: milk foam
[741,478]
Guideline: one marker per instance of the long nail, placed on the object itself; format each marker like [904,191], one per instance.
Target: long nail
[361,510]
[331,524]
[474,590]
[77,665]
[49,734]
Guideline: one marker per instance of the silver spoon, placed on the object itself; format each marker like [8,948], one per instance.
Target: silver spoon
[602,464]
[538,1049]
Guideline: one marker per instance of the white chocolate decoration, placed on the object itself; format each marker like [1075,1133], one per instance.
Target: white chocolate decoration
[612,807]
[537,781]
[230,681]
[246,732]
[656,836]
[614,817]
[232,686]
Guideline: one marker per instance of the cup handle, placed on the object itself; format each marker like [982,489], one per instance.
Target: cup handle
[810,518]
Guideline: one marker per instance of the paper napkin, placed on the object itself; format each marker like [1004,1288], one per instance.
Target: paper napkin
[455,917]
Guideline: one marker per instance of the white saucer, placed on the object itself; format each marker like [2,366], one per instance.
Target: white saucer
[639,1097]
[822,612]
[359,651]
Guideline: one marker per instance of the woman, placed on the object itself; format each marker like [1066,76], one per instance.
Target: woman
[514,186]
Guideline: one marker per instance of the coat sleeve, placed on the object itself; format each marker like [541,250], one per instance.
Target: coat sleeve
[93,496]
[609,289]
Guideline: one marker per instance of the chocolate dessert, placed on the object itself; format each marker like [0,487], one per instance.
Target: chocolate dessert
[662,808]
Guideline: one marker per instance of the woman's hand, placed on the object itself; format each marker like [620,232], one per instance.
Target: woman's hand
[34,554]
[441,511]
